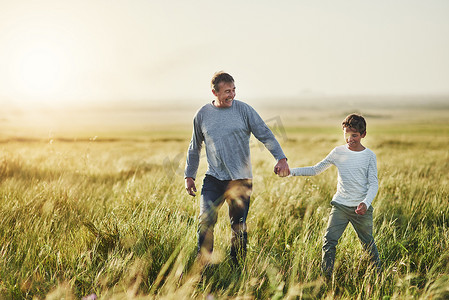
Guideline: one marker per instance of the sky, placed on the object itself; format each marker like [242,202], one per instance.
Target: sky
[109,51]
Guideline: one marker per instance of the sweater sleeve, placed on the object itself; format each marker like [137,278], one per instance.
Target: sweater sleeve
[316,169]
[194,151]
[263,133]
[373,184]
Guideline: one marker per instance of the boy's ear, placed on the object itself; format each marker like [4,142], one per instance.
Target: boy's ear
[363,135]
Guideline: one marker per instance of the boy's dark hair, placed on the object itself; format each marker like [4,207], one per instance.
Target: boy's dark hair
[220,77]
[356,122]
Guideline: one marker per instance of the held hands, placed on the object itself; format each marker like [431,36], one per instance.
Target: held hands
[281,168]
[190,186]
[361,209]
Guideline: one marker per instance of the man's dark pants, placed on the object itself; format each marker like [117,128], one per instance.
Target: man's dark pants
[213,194]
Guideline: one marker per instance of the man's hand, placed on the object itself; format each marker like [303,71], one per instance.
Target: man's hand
[190,186]
[361,209]
[281,168]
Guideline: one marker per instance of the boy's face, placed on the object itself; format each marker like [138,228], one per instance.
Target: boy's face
[353,139]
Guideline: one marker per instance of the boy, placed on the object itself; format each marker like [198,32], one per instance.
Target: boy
[356,188]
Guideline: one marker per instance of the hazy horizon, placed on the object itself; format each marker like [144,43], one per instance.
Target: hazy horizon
[125,118]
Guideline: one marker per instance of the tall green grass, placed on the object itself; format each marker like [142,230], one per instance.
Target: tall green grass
[111,217]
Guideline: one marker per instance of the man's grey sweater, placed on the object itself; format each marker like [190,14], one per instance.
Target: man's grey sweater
[226,133]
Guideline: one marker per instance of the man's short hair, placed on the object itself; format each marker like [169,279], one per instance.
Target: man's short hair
[220,77]
[355,122]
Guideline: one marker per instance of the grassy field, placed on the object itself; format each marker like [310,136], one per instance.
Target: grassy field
[105,212]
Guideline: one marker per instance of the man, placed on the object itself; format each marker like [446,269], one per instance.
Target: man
[225,126]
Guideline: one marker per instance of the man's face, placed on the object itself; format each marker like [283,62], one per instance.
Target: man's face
[353,139]
[225,94]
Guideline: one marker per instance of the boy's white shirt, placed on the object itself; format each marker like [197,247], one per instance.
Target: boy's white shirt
[357,175]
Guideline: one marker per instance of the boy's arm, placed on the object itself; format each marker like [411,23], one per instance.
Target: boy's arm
[373,184]
[314,170]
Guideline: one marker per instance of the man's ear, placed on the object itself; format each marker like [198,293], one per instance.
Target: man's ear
[214,92]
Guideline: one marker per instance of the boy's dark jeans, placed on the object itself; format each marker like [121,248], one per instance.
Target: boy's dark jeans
[339,218]
[213,194]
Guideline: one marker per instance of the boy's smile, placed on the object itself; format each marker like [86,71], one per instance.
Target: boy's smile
[353,139]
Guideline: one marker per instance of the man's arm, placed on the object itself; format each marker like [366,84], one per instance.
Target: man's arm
[263,133]
[193,157]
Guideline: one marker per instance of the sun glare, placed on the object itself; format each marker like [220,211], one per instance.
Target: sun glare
[40,70]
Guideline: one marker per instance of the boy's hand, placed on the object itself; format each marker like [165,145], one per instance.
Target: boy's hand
[281,168]
[361,209]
